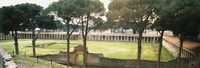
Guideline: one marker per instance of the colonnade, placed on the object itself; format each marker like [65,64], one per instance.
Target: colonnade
[48,36]
[123,38]
[2,36]
[93,37]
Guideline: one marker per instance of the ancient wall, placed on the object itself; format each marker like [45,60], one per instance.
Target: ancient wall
[6,60]
[124,63]
[94,59]
[100,61]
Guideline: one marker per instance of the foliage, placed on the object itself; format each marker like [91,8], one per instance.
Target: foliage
[184,16]
[181,17]
[11,19]
[137,13]
[47,22]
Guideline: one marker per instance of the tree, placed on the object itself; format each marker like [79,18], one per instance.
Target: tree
[11,20]
[68,11]
[183,19]
[91,12]
[117,9]
[142,12]
[160,26]
[34,19]
[186,19]
[138,13]
[161,23]
[101,25]
[32,12]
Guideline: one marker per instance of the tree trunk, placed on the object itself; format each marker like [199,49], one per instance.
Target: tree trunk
[180,50]
[33,42]
[68,44]
[16,42]
[122,31]
[139,49]
[160,48]
[84,33]
[85,52]
[199,63]
[111,30]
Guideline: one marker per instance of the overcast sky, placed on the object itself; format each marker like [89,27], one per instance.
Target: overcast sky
[43,3]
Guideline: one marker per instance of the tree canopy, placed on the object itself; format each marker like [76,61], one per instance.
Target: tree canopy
[11,19]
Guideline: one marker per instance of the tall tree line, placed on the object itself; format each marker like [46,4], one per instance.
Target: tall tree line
[24,16]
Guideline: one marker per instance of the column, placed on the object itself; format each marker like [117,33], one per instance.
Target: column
[110,38]
[43,35]
[96,37]
[130,39]
[127,38]
[99,37]
[117,38]
[105,37]
[113,38]
[154,39]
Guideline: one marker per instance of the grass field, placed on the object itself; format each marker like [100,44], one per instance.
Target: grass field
[119,50]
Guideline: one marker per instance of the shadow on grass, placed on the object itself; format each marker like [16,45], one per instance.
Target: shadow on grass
[45,45]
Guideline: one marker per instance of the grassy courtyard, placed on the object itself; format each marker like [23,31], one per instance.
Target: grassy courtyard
[119,50]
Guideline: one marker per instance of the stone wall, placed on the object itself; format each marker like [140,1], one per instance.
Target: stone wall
[125,63]
[100,61]
[94,59]
[6,60]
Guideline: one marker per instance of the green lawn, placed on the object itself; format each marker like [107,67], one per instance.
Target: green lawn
[119,50]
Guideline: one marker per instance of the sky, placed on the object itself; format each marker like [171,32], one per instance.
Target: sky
[43,3]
